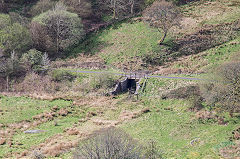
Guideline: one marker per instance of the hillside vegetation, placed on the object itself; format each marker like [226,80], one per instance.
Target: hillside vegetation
[42,87]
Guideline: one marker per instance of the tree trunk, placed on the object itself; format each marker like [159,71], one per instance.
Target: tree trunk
[114,9]
[163,38]
[132,7]
[7,79]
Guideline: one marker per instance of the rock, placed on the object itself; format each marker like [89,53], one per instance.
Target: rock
[33,131]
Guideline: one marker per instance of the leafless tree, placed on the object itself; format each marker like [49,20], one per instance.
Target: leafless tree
[45,62]
[41,40]
[109,144]
[58,26]
[9,67]
[119,8]
[162,15]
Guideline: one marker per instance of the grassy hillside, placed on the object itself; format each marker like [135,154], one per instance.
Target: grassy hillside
[74,110]
[121,43]
[128,41]
[177,131]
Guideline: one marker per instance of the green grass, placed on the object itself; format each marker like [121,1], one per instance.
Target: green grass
[30,140]
[223,53]
[212,58]
[16,109]
[121,42]
[174,130]
[175,127]
[21,108]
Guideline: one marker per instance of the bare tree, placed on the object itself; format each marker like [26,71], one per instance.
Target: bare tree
[45,62]
[109,144]
[8,67]
[162,15]
[3,6]
[59,26]
[119,8]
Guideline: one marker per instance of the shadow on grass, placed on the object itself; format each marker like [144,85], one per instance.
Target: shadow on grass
[93,43]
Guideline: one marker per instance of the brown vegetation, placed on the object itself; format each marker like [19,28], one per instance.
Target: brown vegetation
[223,93]
[207,37]
[109,143]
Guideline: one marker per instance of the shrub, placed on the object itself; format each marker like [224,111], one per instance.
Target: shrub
[35,60]
[103,80]
[223,91]
[109,144]
[36,83]
[5,21]
[62,75]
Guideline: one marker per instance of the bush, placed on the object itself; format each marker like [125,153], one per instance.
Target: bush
[36,83]
[109,144]
[62,75]
[223,91]
[35,60]
[103,80]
